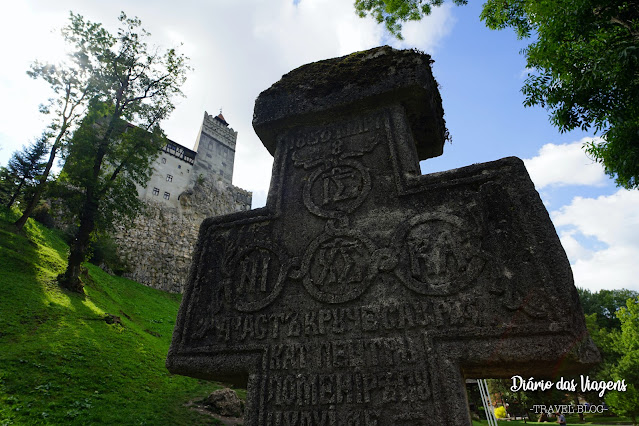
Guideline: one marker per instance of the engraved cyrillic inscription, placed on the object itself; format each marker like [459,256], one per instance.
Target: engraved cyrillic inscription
[339,184]
[381,387]
[325,417]
[308,418]
[254,269]
[336,264]
[339,323]
[349,353]
[432,250]
[346,398]
[351,138]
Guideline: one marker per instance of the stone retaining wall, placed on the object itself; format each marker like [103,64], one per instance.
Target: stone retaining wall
[159,245]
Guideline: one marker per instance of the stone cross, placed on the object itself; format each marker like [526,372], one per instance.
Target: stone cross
[364,293]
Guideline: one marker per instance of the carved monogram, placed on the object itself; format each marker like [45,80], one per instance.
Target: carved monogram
[337,266]
[439,254]
[258,277]
[335,189]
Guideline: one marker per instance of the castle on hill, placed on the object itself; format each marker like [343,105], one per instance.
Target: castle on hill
[179,168]
[187,186]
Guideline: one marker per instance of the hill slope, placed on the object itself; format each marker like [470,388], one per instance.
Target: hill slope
[93,359]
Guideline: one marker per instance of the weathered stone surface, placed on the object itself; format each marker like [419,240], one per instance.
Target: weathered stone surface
[364,293]
[225,402]
[359,82]
[158,246]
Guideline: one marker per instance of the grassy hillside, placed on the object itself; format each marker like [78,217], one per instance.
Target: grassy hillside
[63,360]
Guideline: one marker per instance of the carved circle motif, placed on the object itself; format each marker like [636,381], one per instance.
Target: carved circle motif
[259,274]
[337,266]
[438,255]
[336,189]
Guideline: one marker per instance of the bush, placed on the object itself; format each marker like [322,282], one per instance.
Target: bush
[500,412]
[104,253]
[42,213]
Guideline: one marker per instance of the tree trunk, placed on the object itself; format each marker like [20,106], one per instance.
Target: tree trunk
[40,188]
[16,192]
[70,280]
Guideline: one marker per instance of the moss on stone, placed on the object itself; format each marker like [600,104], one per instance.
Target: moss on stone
[364,68]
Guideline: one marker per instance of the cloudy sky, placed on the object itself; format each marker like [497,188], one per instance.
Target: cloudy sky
[238,48]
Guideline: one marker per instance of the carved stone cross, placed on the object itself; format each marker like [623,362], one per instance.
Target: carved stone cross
[365,293]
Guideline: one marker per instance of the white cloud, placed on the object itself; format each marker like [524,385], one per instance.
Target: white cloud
[567,164]
[574,249]
[611,220]
[427,33]
[240,48]
[610,269]
[259,198]
[26,36]
[237,49]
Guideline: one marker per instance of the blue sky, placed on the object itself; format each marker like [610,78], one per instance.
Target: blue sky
[240,47]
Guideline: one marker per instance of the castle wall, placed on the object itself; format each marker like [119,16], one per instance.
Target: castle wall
[159,245]
[186,187]
[172,175]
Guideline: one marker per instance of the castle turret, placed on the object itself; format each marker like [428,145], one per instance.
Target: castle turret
[215,147]
[186,187]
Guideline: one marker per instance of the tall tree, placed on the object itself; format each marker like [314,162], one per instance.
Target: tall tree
[605,303]
[584,64]
[136,85]
[73,82]
[25,166]
[394,12]
[626,344]
[7,185]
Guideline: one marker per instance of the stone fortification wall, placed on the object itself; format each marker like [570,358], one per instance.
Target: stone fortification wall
[158,246]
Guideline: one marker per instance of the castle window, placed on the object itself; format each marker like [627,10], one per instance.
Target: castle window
[167,195]
[156,191]
[169,178]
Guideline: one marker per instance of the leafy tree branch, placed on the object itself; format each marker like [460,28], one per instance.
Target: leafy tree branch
[584,62]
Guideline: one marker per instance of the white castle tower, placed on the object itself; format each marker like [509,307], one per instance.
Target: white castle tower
[215,146]
[178,168]
[187,186]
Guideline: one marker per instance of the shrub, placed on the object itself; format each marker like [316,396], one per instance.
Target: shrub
[500,412]
[104,253]
[42,213]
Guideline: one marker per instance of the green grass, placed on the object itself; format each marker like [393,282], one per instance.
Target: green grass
[62,363]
